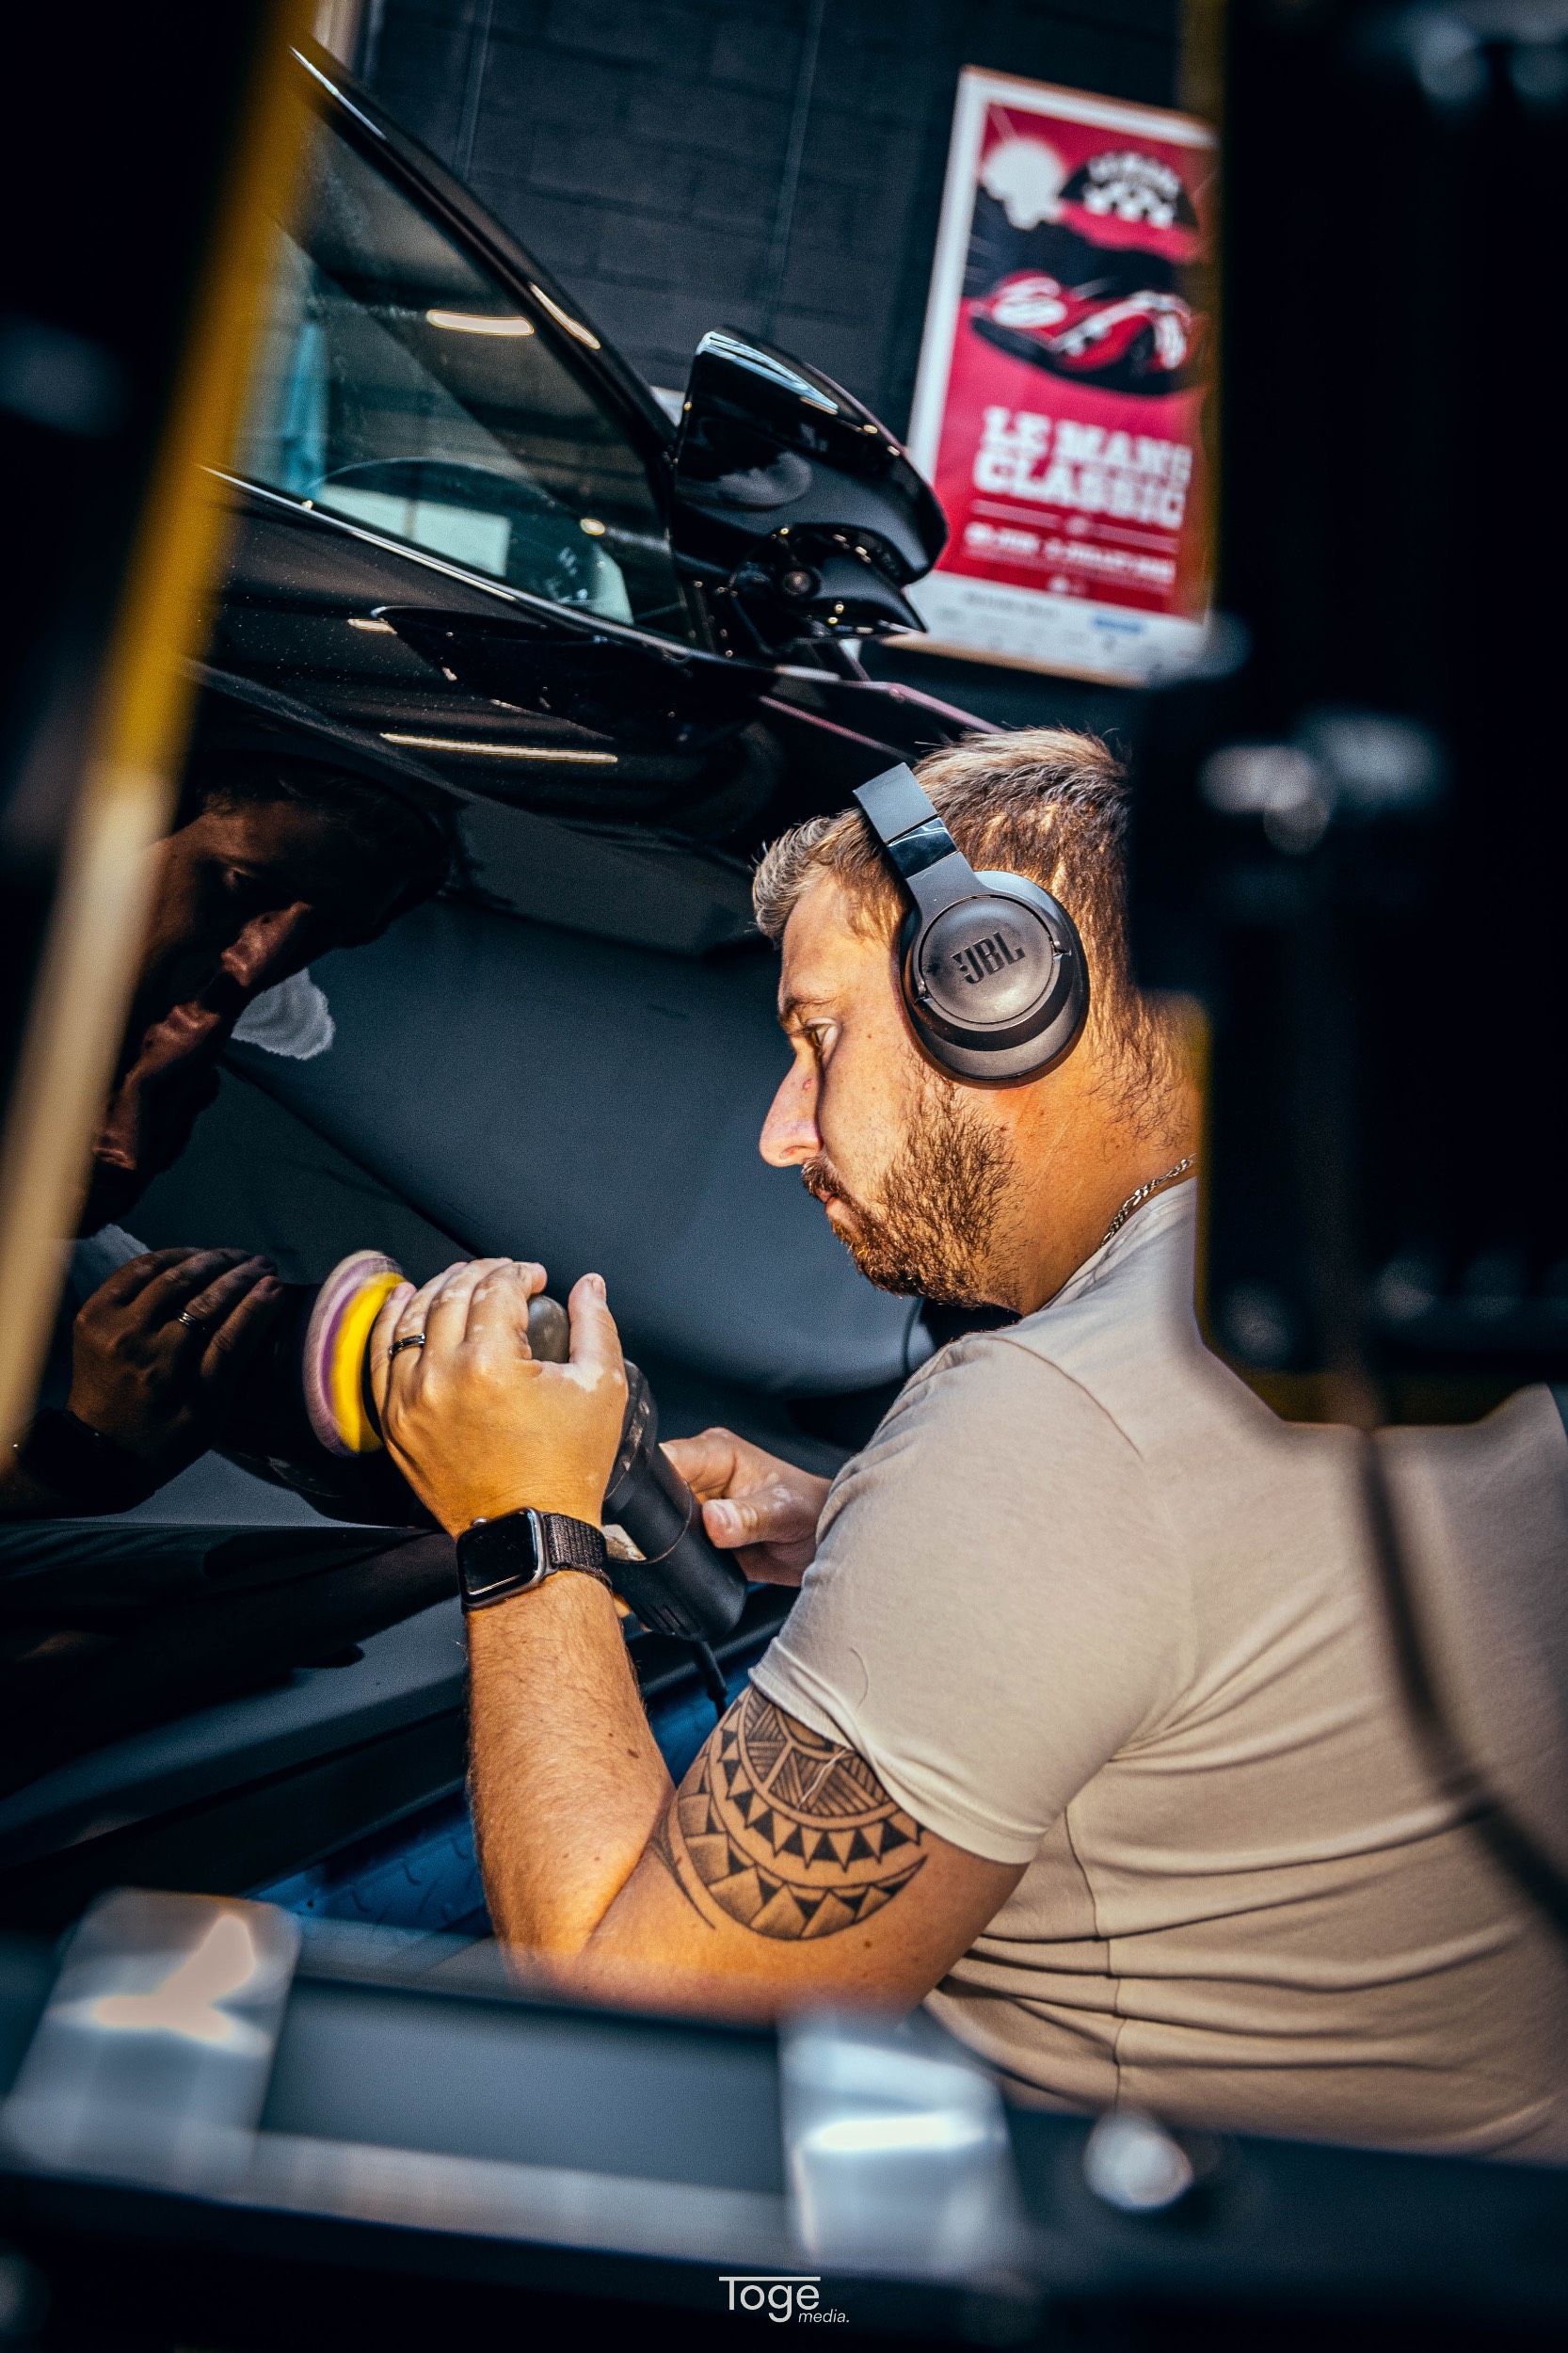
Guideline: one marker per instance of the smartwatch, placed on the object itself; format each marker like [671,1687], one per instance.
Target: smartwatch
[497,1558]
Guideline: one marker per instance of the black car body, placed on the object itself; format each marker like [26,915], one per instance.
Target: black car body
[469,555]
[466,529]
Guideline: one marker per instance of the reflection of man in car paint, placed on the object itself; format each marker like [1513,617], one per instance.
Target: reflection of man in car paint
[274,863]
[271,865]
[1083,1729]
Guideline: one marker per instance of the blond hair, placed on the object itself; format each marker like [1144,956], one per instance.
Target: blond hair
[1043,802]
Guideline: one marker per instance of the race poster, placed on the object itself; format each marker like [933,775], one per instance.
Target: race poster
[1062,382]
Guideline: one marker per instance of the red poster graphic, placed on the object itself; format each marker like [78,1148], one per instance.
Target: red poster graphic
[1062,379]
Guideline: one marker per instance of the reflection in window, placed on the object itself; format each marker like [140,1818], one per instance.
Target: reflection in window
[399,386]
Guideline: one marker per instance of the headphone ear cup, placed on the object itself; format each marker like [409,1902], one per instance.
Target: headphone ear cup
[995,987]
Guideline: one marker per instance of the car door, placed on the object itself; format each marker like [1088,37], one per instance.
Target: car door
[431,432]
[436,436]
[447,559]
[449,543]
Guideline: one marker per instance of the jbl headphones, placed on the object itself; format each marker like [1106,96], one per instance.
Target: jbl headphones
[991,966]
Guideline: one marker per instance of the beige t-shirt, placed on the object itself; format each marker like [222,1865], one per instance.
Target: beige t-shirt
[1086,1605]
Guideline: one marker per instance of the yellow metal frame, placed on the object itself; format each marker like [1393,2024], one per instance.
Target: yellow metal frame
[82,989]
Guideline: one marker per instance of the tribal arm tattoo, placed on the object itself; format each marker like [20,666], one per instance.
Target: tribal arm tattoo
[790,1835]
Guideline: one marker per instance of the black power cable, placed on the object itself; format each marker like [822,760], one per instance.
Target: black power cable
[713,1675]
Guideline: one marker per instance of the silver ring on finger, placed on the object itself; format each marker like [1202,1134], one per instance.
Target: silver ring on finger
[410,1340]
[192,1323]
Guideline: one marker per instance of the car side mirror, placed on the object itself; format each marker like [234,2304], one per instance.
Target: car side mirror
[799,510]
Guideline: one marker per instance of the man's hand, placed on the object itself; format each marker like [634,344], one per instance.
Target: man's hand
[763,1510]
[157,1385]
[479,1428]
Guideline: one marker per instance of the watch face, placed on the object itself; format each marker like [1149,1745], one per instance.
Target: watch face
[496,1558]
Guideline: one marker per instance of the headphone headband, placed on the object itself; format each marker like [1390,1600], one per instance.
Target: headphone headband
[992,970]
[933,866]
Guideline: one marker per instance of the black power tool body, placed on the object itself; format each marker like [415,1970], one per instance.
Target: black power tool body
[305,1418]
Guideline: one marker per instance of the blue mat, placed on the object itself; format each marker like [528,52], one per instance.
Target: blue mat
[423,1873]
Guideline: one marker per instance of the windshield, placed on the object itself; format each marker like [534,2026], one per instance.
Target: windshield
[399,385]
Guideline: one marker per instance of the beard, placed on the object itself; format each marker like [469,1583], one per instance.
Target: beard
[943,1198]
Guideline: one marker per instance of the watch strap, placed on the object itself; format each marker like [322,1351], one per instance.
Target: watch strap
[79,1463]
[573,1545]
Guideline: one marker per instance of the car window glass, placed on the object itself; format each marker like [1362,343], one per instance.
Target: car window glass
[400,386]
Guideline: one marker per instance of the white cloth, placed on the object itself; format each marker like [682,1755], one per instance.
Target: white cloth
[292,1019]
[1085,1605]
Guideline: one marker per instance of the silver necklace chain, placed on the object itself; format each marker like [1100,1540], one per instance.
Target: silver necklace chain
[1136,1200]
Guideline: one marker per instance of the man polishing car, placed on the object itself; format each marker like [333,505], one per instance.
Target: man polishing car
[1085,1729]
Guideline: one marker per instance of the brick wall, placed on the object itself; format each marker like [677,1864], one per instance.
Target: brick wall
[640,147]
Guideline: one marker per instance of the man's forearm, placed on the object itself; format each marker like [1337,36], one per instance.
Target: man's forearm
[785,1871]
[22,1498]
[569,1785]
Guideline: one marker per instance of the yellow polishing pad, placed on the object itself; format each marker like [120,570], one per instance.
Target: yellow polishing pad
[345,1373]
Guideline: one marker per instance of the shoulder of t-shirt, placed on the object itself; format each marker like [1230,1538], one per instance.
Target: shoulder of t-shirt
[1102,1342]
[995,1460]
[987,1385]
[1126,1328]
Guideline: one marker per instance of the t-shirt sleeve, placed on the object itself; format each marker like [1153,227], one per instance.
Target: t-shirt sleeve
[995,1608]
